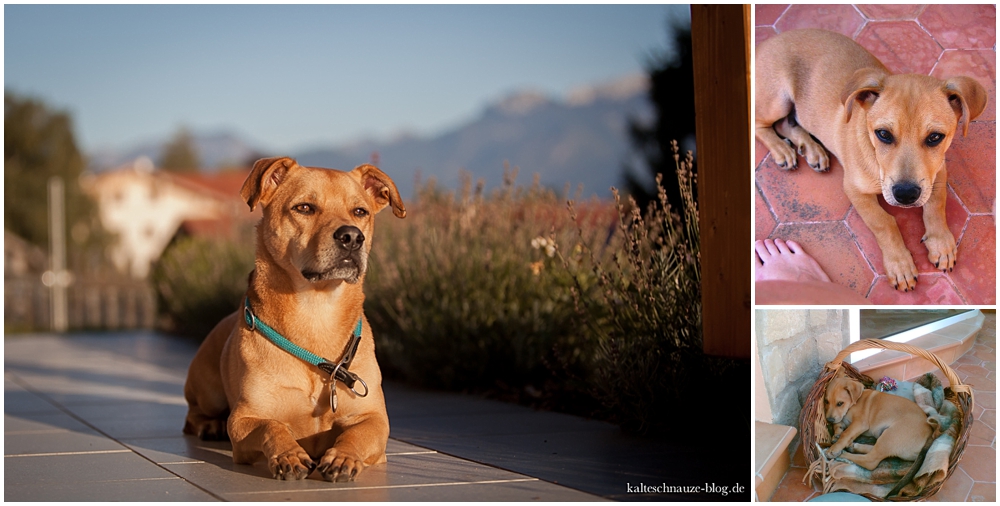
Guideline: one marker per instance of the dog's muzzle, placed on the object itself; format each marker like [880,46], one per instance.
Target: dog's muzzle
[906,193]
[348,260]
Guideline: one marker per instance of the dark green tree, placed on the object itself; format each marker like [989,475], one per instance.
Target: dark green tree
[671,75]
[180,154]
[38,144]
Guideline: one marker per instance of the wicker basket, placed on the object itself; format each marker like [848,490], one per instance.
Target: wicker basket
[958,393]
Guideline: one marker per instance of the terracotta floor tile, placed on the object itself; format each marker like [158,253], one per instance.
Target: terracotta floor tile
[766,15]
[983,492]
[931,289]
[971,162]
[961,26]
[764,222]
[911,225]
[977,64]
[901,46]
[975,272]
[762,33]
[798,458]
[977,370]
[759,151]
[979,462]
[983,432]
[987,355]
[989,418]
[955,489]
[890,12]
[804,194]
[839,18]
[833,248]
[791,488]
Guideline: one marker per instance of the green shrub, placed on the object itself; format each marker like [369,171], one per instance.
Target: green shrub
[200,280]
[467,293]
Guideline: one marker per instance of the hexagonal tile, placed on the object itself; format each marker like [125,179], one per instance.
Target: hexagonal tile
[977,64]
[961,26]
[766,15]
[839,18]
[803,194]
[764,222]
[933,289]
[890,12]
[901,46]
[831,244]
[971,162]
[759,152]
[975,272]
[911,226]
[762,33]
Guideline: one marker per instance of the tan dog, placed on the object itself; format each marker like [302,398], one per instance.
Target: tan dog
[890,132]
[899,425]
[312,249]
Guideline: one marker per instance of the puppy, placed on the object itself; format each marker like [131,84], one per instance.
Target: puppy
[817,89]
[312,250]
[899,425]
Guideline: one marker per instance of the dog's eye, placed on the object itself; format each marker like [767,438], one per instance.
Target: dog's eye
[884,135]
[306,209]
[360,212]
[840,403]
[934,139]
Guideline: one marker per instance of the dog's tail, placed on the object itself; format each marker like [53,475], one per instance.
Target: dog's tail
[906,479]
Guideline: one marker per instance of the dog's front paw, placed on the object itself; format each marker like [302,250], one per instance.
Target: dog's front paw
[337,466]
[291,465]
[941,249]
[784,156]
[830,454]
[901,270]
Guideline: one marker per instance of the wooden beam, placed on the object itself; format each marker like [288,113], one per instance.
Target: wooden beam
[720,39]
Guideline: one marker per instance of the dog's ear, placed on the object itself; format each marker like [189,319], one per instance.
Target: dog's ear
[381,188]
[967,97]
[854,389]
[265,177]
[863,88]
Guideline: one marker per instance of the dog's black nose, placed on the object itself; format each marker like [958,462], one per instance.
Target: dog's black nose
[906,193]
[831,419]
[349,237]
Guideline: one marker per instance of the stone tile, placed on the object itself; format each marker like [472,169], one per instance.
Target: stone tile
[831,244]
[764,221]
[932,289]
[890,12]
[961,26]
[134,420]
[529,490]
[911,226]
[971,162]
[149,489]
[39,423]
[57,442]
[975,272]
[902,46]
[766,15]
[42,472]
[18,400]
[839,18]
[803,194]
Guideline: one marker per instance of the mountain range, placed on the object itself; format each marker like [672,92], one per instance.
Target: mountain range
[579,139]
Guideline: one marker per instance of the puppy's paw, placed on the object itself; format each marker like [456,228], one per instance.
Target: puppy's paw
[337,466]
[901,270]
[941,249]
[784,156]
[291,465]
[830,454]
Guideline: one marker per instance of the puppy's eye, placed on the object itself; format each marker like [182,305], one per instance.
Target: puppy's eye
[884,135]
[840,403]
[360,212]
[305,209]
[934,139]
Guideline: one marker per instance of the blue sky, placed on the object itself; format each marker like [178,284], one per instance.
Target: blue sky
[288,77]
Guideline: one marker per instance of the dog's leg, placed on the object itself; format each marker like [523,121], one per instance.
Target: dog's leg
[814,152]
[772,108]
[253,437]
[846,438]
[355,448]
[940,243]
[898,262]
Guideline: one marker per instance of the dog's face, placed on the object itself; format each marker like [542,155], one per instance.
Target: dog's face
[841,394]
[318,223]
[911,121]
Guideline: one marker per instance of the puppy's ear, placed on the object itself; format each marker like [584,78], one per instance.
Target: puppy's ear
[854,389]
[863,88]
[381,188]
[967,97]
[265,177]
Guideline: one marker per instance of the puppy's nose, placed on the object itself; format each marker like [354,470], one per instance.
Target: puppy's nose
[906,193]
[349,237]
[831,419]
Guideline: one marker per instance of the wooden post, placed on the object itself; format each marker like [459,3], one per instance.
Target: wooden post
[720,40]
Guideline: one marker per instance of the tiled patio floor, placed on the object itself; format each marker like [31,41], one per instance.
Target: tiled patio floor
[811,208]
[98,417]
[975,477]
